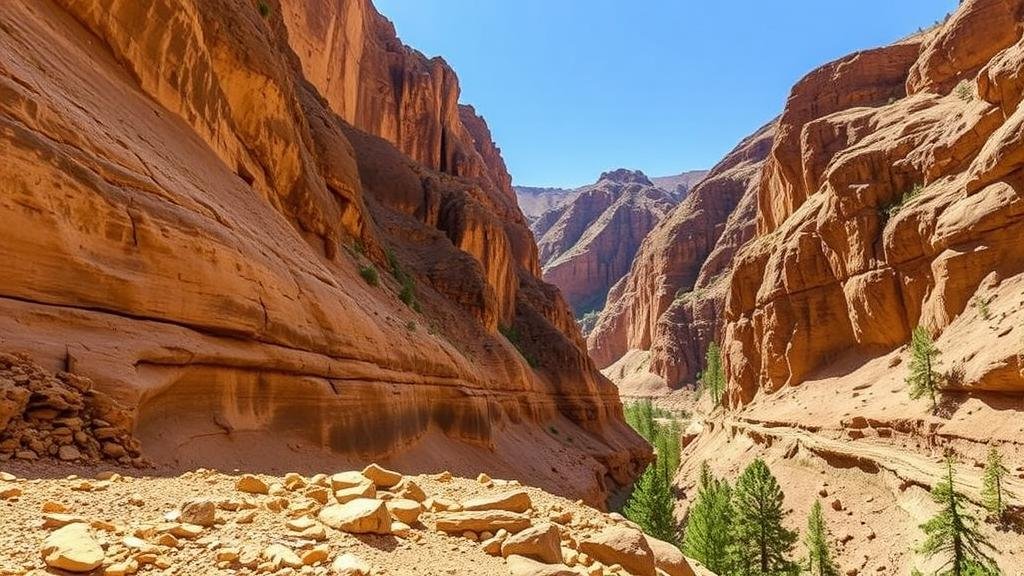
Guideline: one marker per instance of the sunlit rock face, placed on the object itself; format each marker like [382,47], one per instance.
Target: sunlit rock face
[195,196]
[891,199]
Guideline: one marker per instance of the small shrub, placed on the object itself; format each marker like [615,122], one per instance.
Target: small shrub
[359,248]
[982,305]
[264,8]
[512,335]
[369,273]
[410,326]
[893,208]
[407,294]
[965,91]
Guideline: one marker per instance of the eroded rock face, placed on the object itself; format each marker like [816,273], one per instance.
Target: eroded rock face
[589,242]
[880,211]
[196,197]
[670,302]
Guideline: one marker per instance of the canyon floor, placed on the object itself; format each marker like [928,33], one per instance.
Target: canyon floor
[158,525]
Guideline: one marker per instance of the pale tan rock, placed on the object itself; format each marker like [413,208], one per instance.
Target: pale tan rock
[359,516]
[403,510]
[668,558]
[516,501]
[350,565]
[348,479]
[199,512]
[366,489]
[620,545]
[410,490]
[281,556]
[479,521]
[251,484]
[58,520]
[541,542]
[315,555]
[8,493]
[483,478]
[72,548]
[382,477]
[227,554]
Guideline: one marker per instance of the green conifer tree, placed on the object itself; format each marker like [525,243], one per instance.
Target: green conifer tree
[713,377]
[708,536]
[993,491]
[652,507]
[953,534]
[924,361]
[819,556]
[763,546]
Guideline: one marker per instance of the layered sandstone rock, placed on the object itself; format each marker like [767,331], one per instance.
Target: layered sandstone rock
[892,198]
[207,212]
[588,243]
[670,302]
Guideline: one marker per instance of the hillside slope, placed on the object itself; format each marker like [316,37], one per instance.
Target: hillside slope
[269,233]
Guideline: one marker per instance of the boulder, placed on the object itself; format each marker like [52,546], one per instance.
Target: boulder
[359,516]
[481,521]
[72,548]
[350,565]
[382,477]
[252,485]
[516,501]
[541,542]
[199,512]
[343,480]
[668,558]
[404,510]
[620,545]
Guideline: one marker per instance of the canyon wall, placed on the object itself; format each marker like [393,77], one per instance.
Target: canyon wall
[588,243]
[670,303]
[269,230]
[891,199]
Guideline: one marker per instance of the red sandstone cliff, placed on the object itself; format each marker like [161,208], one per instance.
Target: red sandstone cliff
[192,194]
[669,304]
[891,199]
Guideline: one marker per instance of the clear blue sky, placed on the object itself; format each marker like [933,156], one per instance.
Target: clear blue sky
[571,88]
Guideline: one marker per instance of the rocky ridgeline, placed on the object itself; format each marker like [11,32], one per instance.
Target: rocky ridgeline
[298,525]
[60,416]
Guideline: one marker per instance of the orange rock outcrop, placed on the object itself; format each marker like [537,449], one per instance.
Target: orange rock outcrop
[268,227]
[891,199]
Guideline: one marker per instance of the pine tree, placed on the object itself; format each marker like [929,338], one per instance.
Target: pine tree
[708,536]
[713,377]
[953,533]
[651,505]
[993,491]
[819,556]
[923,378]
[762,544]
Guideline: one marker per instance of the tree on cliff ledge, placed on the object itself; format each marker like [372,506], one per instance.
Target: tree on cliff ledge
[713,377]
[954,535]
[924,361]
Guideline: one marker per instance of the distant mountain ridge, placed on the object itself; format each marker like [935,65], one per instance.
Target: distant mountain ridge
[588,238]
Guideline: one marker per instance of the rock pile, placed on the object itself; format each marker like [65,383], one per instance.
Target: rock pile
[249,524]
[59,416]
